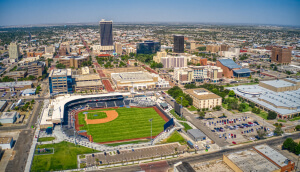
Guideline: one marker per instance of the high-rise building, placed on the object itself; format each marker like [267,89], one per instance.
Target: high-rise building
[159,55]
[61,81]
[118,48]
[147,47]
[174,61]
[14,50]
[106,34]
[281,55]
[178,44]
[36,68]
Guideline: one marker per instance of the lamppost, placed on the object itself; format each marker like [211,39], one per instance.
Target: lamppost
[150,120]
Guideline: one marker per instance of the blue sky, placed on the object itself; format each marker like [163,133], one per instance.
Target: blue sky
[20,12]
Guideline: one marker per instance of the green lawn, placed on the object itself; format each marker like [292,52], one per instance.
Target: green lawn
[46,139]
[295,119]
[263,114]
[124,143]
[186,126]
[96,115]
[64,157]
[176,116]
[131,123]
[175,137]
[192,108]
[281,120]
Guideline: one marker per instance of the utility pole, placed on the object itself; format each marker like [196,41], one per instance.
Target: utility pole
[297,163]
[181,107]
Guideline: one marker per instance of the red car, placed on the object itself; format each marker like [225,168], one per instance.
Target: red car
[234,143]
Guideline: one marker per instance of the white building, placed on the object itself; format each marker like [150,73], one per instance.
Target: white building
[232,52]
[6,142]
[14,50]
[174,61]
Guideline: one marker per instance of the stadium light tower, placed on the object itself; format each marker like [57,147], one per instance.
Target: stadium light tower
[150,120]
[181,107]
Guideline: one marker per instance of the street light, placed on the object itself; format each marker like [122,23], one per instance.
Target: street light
[150,120]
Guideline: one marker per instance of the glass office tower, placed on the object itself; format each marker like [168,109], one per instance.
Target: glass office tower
[178,44]
[147,47]
[106,35]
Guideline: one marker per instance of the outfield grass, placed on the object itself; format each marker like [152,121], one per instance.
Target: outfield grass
[186,126]
[192,108]
[64,157]
[46,139]
[131,123]
[132,142]
[96,115]
[176,116]
[175,137]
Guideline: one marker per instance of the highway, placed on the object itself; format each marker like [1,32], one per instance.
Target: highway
[214,155]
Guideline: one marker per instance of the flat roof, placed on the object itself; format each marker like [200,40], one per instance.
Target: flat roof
[210,95]
[242,71]
[29,91]
[60,72]
[271,153]
[132,76]
[8,115]
[15,84]
[88,83]
[87,77]
[196,133]
[260,95]
[294,79]
[2,103]
[278,83]
[5,140]
[250,160]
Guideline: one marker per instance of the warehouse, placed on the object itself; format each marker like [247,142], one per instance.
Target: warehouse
[196,135]
[9,117]
[6,142]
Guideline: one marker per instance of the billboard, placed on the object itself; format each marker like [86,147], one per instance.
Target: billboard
[177,108]
[168,124]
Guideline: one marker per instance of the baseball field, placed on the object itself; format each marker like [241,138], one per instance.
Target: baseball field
[120,124]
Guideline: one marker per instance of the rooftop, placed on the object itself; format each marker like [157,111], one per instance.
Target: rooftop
[60,72]
[132,76]
[14,84]
[208,95]
[278,83]
[29,91]
[5,140]
[247,160]
[73,57]
[2,103]
[196,133]
[242,71]
[88,83]
[293,79]
[229,63]
[287,102]
[271,153]
[8,115]
[87,77]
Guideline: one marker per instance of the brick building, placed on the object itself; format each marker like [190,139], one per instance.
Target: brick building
[231,69]
[201,61]
[281,55]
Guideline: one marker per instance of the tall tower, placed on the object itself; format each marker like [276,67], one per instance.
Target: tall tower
[14,50]
[178,44]
[106,35]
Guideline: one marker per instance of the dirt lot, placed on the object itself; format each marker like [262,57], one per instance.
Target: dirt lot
[219,166]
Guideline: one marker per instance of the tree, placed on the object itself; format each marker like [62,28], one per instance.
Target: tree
[252,105]
[272,115]
[185,103]
[261,134]
[287,143]
[297,149]
[135,64]
[201,114]
[278,131]
[218,108]
[231,93]
[32,101]
[297,127]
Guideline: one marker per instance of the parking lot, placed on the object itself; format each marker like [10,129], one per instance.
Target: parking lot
[234,129]
[132,154]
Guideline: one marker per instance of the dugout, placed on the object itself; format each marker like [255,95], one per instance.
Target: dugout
[196,135]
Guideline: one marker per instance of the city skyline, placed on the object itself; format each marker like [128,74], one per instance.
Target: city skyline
[226,12]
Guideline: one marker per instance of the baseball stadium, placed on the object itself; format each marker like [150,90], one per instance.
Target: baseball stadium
[107,118]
